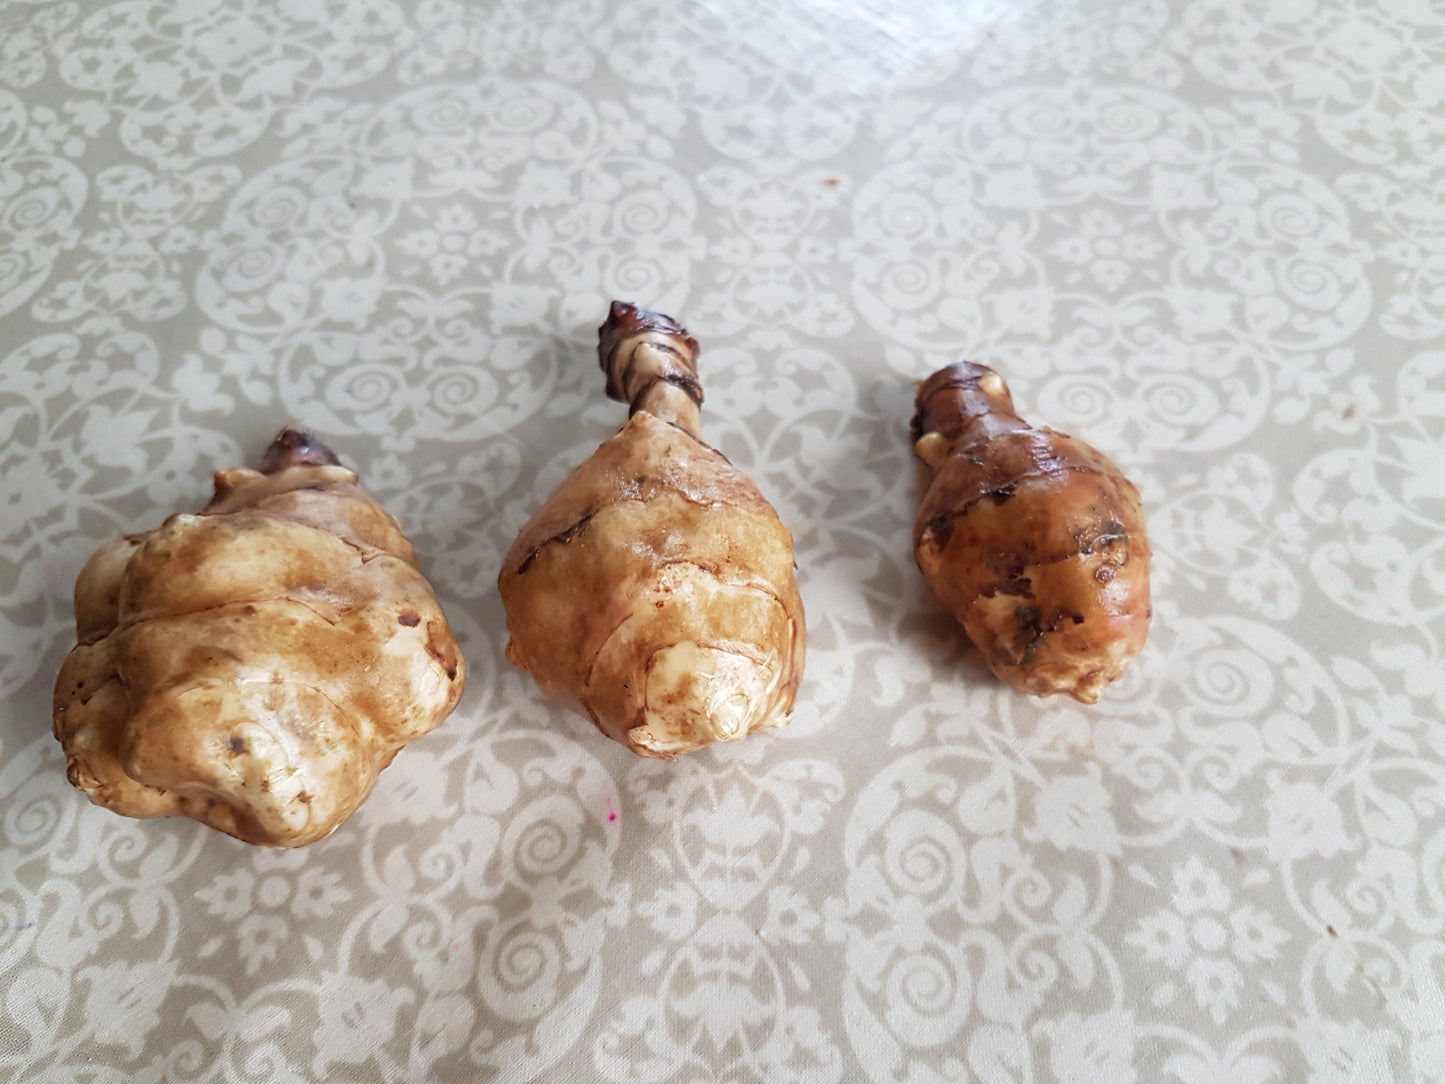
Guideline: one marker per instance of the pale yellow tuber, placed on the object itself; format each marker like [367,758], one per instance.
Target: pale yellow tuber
[654,591]
[1032,539]
[256,665]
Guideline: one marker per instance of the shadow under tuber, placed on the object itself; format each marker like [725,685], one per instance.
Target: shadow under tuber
[653,591]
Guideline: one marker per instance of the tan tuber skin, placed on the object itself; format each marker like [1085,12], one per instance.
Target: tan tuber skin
[1032,539]
[256,665]
[653,591]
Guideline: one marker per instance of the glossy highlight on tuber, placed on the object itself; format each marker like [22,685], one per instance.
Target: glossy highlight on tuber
[1032,539]
[653,591]
[256,665]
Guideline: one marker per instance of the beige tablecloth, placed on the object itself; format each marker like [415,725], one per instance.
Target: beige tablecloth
[1208,236]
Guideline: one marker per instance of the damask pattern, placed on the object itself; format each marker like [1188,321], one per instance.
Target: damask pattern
[1207,235]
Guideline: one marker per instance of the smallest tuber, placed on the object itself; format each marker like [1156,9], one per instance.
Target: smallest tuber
[1032,539]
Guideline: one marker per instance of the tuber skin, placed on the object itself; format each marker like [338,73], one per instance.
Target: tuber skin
[653,591]
[1032,539]
[256,665]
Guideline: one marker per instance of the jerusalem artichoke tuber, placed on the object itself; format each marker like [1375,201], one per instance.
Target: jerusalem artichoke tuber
[256,665]
[653,591]
[1032,539]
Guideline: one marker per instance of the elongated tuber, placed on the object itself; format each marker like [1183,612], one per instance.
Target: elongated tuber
[653,591]
[1032,539]
[256,665]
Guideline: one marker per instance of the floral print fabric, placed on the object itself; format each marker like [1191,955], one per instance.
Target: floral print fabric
[1205,235]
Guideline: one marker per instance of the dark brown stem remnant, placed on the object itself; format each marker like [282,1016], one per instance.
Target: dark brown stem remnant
[293,448]
[651,364]
[964,399]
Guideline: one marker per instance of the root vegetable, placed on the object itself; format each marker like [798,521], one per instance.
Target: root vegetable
[653,591]
[1032,539]
[256,665]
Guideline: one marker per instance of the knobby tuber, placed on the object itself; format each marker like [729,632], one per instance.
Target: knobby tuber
[256,665]
[654,590]
[1032,539]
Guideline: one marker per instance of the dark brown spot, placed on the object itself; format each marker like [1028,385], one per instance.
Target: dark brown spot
[293,448]
[1027,615]
[687,384]
[941,528]
[238,745]
[248,609]
[1003,493]
[1013,585]
[265,783]
[304,798]
[1332,931]
[410,619]
[451,673]
[1033,647]
[1106,573]
[563,536]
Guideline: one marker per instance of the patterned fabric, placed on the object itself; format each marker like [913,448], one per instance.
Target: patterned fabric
[1208,236]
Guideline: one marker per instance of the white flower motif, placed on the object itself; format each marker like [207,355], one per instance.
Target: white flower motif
[1105,249]
[1198,888]
[673,911]
[318,894]
[259,939]
[229,895]
[450,239]
[1216,986]
[1162,937]
[790,918]
[1203,938]
[1255,937]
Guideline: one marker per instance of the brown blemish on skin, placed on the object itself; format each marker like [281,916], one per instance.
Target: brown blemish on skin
[238,746]
[448,663]
[564,537]
[410,619]
[941,529]
[1002,493]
